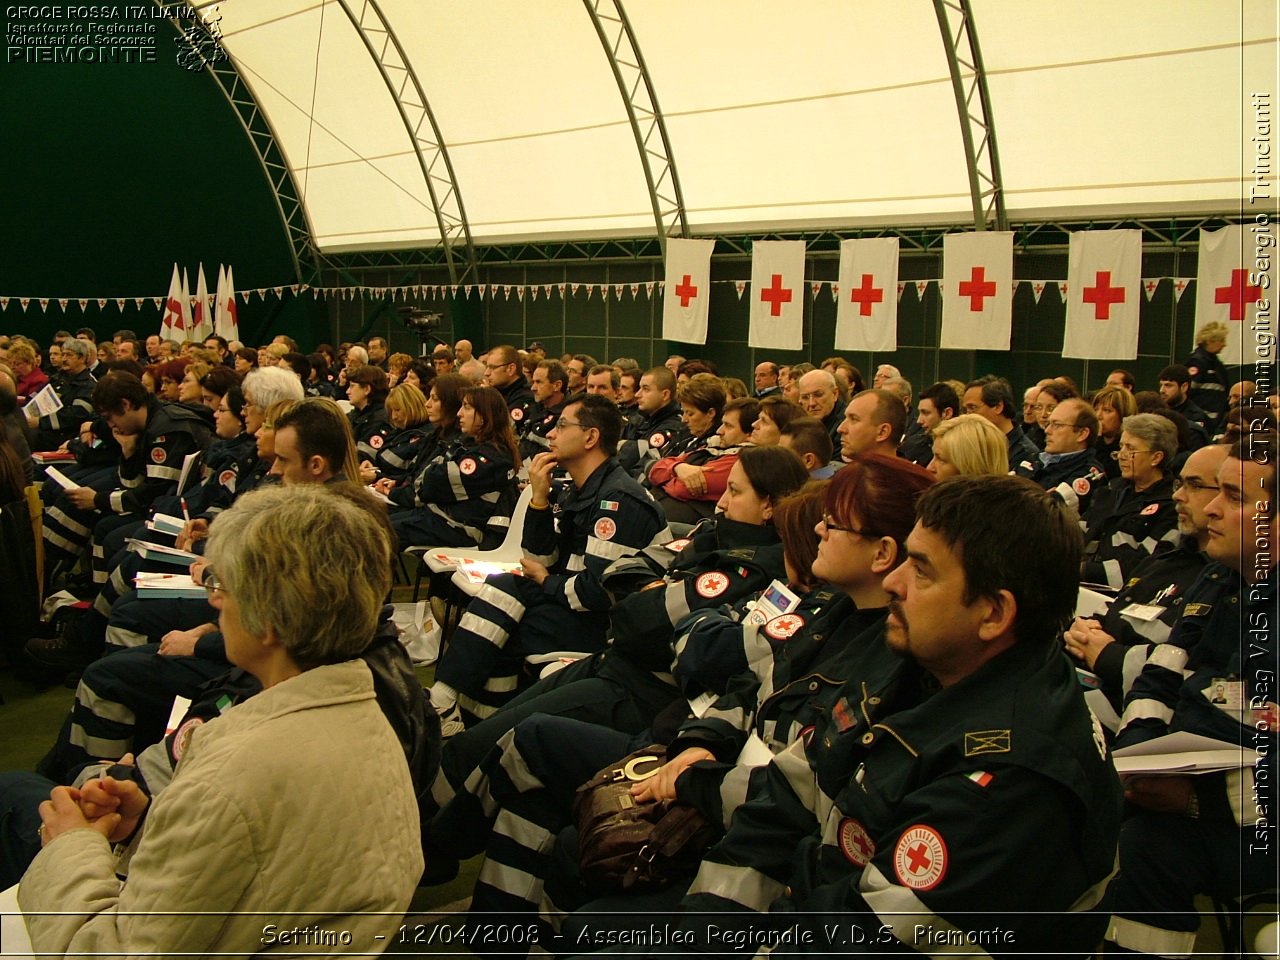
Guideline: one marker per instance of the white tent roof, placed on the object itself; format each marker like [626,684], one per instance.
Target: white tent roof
[779,115]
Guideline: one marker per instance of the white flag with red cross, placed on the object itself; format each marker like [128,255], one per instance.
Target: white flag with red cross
[185,326]
[172,318]
[226,322]
[777,295]
[1234,279]
[977,290]
[1104,291]
[203,321]
[687,292]
[867,302]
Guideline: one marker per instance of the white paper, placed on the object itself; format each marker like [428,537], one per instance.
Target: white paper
[187,463]
[44,403]
[1182,753]
[164,523]
[180,707]
[60,478]
[14,939]
[754,753]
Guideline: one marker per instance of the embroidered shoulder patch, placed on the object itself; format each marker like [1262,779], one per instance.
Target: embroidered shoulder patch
[158,455]
[784,627]
[920,858]
[183,737]
[605,528]
[657,440]
[467,466]
[1150,508]
[1197,609]
[609,505]
[986,741]
[1080,485]
[226,477]
[711,584]
[517,414]
[855,842]
[376,441]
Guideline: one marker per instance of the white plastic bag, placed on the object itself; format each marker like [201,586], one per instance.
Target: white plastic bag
[419,631]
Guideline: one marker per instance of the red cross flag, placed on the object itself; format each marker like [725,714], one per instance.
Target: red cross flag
[867,303]
[1234,282]
[186,324]
[687,291]
[777,294]
[203,321]
[226,323]
[1104,290]
[977,290]
[172,318]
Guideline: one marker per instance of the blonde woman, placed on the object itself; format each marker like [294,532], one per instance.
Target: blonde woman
[1209,383]
[968,445]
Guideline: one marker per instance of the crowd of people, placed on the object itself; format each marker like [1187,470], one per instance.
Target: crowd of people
[848,614]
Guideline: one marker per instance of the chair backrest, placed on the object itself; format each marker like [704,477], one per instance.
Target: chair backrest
[515,532]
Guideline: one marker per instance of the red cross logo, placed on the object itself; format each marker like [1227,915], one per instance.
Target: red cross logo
[977,288]
[865,295]
[776,295]
[1103,295]
[1238,293]
[918,858]
[686,291]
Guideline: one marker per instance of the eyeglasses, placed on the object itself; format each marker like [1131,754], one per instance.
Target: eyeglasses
[562,423]
[832,527]
[1057,424]
[212,583]
[498,366]
[1193,485]
[815,396]
[971,408]
[1130,452]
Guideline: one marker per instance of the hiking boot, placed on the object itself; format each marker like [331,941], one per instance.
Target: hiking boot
[68,653]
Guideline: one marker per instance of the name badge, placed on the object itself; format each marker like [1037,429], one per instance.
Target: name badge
[1146,612]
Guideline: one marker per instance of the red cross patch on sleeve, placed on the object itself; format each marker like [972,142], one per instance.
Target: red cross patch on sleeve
[467,466]
[1193,370]
[1150,508]
[711,584]
[605,528]
[1080,485]
[920,858]
[855,842]
[158,455]
[376,441]
[226,477]
[517,414]
[657,440]
[784,627]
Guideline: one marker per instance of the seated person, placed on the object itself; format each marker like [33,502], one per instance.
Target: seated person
[464,487]
[968,446]
[75,389]
[217,844]
[401,452]
[1116,645]
[571,535]
[647,439]
[957,759]
[1068,466]
[1188,836]
[367,391]
[688,485]
[1133,517]
[809,439]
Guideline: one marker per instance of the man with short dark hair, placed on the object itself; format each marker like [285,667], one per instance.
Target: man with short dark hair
[560,604]
[378,353]
[602,381]
[128,350]
[766,378]
[938,402]
[955,762]
[1175,387]
[1121,378]
[442,360]
[808,439]
[577,367]
[645,442]
[312,443]
[1216,677]
[992,397]
[628,399]
[1068,466]
[153,349]
[547,386]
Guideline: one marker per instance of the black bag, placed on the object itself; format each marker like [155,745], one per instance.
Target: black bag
[624,845]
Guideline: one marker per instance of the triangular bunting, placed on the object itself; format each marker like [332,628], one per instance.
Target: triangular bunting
[533,291]
[102,303]
[84,303]
[902,285]
[506,291]
[635,291]
[120,304]
[4,303]
[520,293]
[921,287]
[137,302]
[617,290]
[1180,286]
[835,291]
[279,292]
[262,293]
[157,301]
[454,290]
[1149,285]
[591,288]
[741,287]
[62,302]
[1062,290]
[648,289]
[816,287]
[1037,288]
[574,288]
[561,287]
[293,288]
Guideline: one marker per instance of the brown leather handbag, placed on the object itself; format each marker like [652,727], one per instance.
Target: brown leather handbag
[637,847]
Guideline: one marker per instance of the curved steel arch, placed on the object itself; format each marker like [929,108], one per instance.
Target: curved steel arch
[433,156]
[978,130]
[202,49]
[645,115]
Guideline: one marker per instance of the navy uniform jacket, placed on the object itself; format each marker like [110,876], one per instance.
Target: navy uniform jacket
[536,430]
[585,531]
[1072,477]
[371,428]
[1209,383]
[1199,421]
[1024,456]
[832,422]
[725,562]
[1226,634]
[917,447]
[466,484]
[990,803]
[1145,613]
[650,439]
[172,432]
[222,464]
[1123,527]
[519,400]
[401,452]
[76,394]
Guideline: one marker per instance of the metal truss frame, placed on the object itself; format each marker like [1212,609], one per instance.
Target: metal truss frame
[977,126]
[647,124]
[201,47]
[433,156]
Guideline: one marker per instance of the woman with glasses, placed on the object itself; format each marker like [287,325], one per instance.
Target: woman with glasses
[236,831]
[460,496]
[1134,516]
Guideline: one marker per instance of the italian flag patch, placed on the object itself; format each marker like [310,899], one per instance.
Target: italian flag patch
[981,777]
